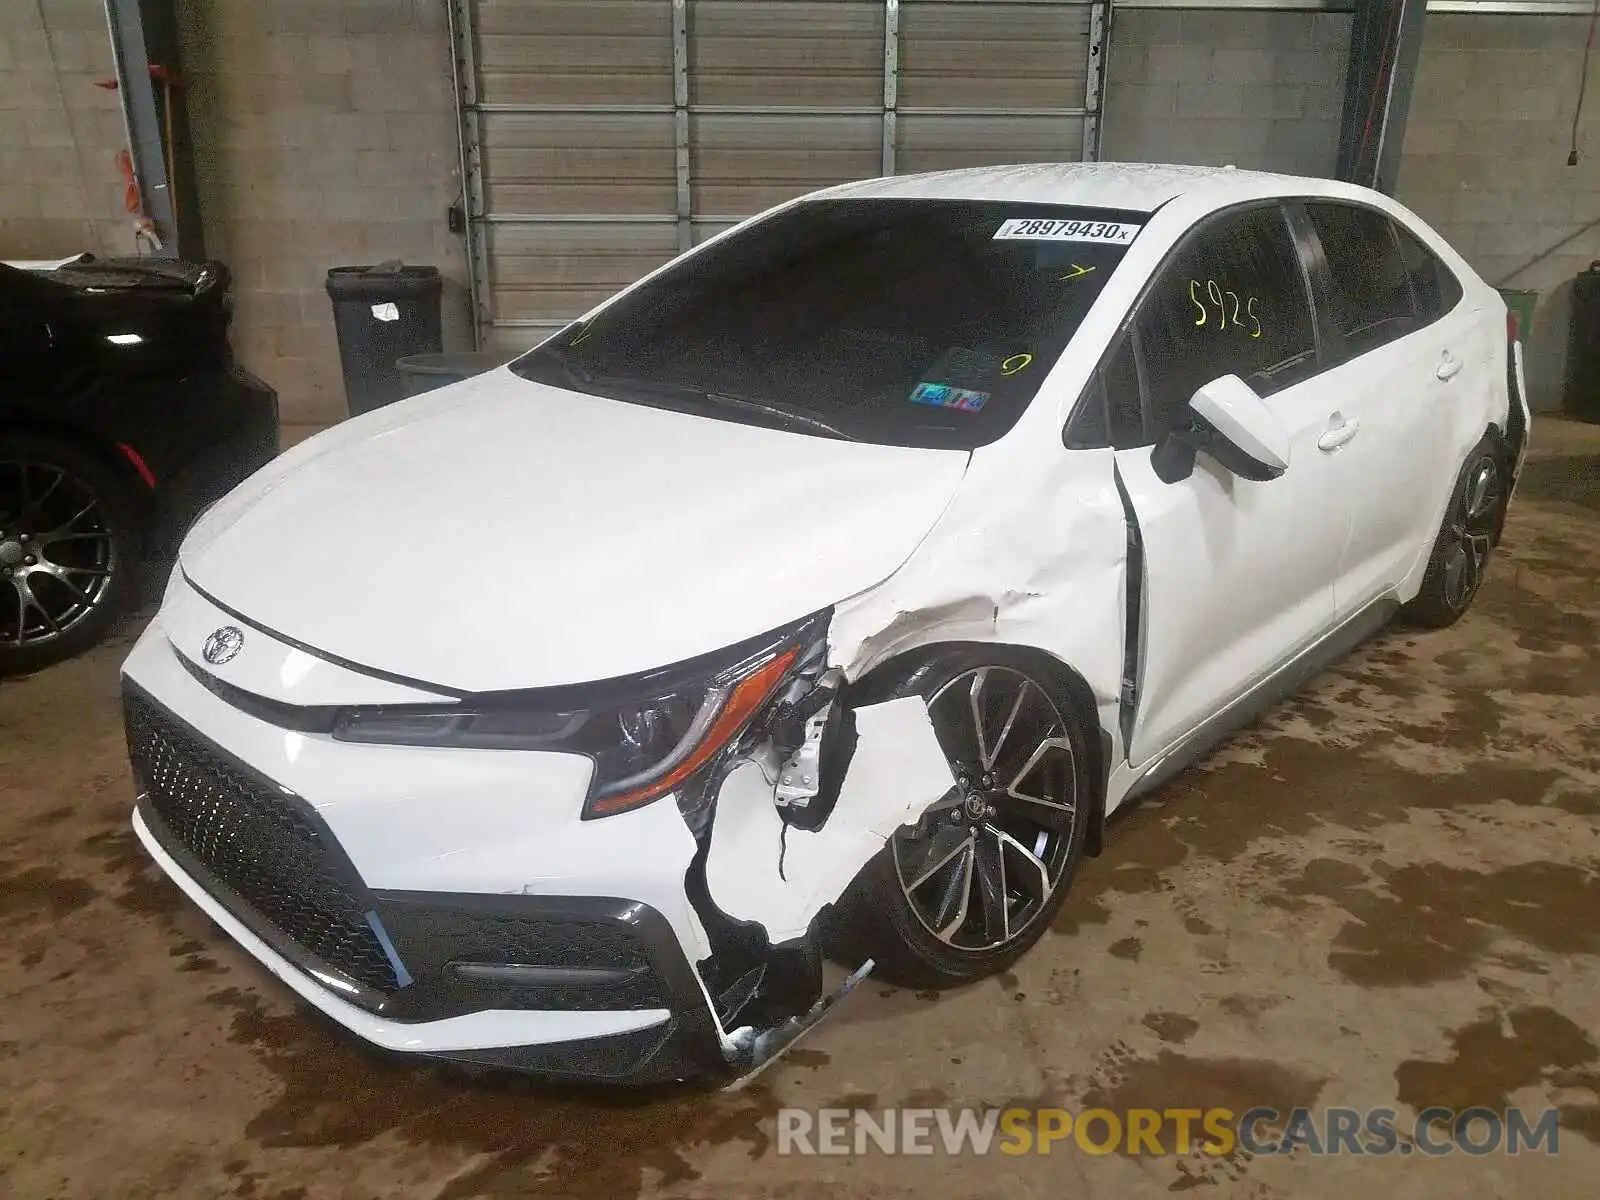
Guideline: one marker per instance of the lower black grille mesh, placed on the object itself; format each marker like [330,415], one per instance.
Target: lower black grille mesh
[435,936]
[257,842]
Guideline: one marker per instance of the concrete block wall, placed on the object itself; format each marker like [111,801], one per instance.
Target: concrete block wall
[324,135]
[1485,162]
[1260,90]
[60,190]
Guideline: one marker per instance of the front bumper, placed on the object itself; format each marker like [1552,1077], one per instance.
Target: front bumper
[621,1047]
[354,902]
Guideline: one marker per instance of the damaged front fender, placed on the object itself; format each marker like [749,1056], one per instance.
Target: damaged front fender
[809,798]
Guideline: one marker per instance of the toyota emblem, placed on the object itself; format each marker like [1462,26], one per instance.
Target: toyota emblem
[223,646]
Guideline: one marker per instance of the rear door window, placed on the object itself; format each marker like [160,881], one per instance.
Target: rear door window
[1231,301]
[1371,302]
[1385,283]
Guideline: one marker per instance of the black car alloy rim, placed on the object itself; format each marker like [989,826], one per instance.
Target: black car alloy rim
[983,862]
[1470,532]
[57,554]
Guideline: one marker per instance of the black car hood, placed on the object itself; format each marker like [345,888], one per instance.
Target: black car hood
[156,274]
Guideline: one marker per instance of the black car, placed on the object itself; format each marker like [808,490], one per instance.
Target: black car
[122,415]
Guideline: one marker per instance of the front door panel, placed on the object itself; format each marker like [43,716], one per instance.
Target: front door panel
[1238,575]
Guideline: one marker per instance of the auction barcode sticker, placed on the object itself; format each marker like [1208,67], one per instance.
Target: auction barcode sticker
[1045,230]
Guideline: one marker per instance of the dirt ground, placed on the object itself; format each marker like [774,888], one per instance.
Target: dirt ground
[1386,894]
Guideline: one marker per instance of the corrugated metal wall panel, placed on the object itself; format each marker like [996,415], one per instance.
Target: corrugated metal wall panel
[743,164]
[759,52]
[532,59]
[943,143]
[993,55]
[578,163]
[575,51]
[705,230]
[553,272]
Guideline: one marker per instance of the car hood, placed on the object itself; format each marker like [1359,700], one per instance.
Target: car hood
[506,534]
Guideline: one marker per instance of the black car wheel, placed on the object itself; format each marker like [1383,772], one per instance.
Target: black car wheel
[67,546]
[963,892]
[1470,532]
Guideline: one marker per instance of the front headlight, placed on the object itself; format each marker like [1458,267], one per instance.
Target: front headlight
[647,734]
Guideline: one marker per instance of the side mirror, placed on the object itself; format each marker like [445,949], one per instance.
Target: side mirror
[1231,424]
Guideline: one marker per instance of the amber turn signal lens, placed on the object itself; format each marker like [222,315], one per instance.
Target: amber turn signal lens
[744,702]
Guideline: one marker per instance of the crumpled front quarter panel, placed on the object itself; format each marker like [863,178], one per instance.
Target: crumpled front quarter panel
[1031,552]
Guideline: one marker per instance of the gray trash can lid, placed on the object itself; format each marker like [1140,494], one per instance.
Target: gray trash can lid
[384,281]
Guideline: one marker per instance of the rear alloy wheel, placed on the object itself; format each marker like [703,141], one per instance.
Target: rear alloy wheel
[66,537]
[1467,538]
[963,892]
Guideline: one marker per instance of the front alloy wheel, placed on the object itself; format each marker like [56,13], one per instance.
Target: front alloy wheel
[965,890]
[985,861]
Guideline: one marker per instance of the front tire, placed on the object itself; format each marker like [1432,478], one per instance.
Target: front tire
[68,538]
[964,893]
[1467,538]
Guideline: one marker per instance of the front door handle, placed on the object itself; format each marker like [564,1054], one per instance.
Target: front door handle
[1339,434]
[1448,367]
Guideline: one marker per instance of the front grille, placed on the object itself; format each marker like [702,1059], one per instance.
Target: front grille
[503,938]
[435,936]
[258,843]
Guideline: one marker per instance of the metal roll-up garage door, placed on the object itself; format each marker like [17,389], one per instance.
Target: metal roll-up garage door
[602,137]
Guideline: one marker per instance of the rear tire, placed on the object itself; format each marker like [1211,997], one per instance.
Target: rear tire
[975,883]
[1466,540]
[68,549]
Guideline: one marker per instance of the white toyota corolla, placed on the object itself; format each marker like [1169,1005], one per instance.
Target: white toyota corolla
[821,592]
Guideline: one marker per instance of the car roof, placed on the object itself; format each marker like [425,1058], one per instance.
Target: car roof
[1141,187]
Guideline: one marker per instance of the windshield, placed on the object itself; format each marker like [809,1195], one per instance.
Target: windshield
[905,322]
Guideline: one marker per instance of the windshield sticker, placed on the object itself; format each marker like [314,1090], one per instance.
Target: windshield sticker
[943,395]
[1030,229]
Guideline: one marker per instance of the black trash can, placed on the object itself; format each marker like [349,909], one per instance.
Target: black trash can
[1582,399]
[383,313]
[424,372]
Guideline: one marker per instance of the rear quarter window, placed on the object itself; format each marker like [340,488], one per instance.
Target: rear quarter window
[1434,287]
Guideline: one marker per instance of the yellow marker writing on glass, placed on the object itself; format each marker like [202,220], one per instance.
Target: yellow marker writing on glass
[1076,272]
[1017,362]
[1228,303]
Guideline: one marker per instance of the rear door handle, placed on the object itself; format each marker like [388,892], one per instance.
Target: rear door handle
[1339,434]
[1448,367]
